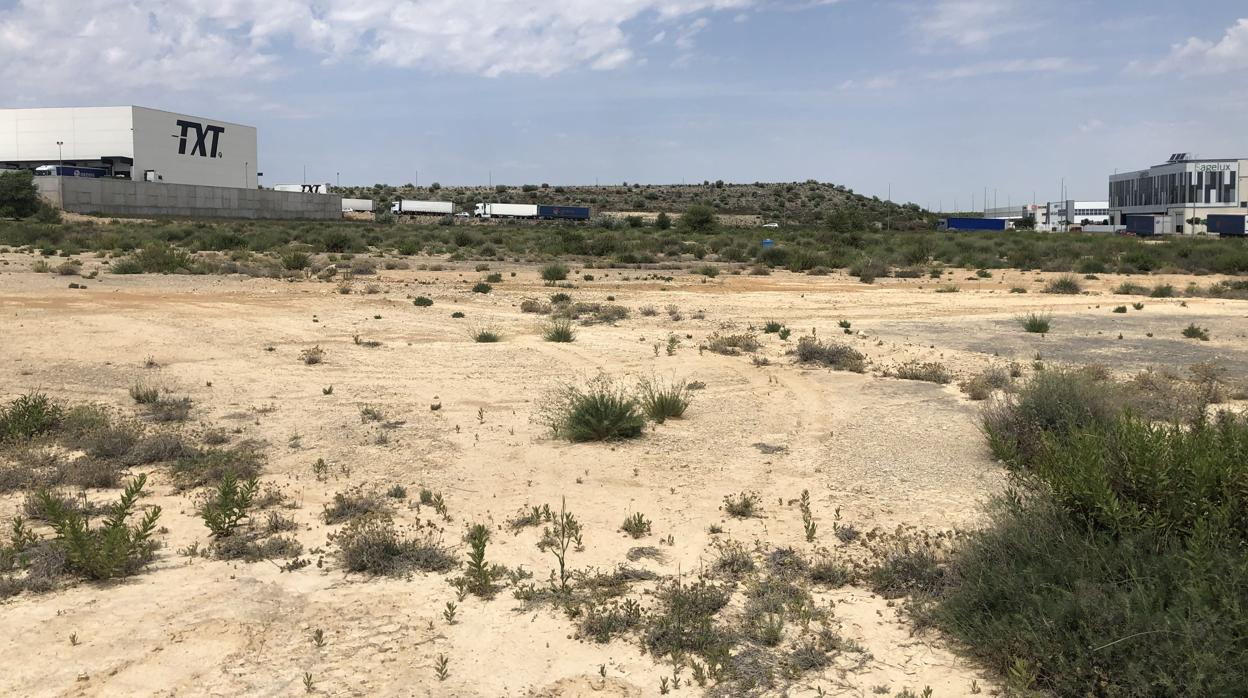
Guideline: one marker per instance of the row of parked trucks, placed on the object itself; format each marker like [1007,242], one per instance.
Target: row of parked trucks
[531,211]
[1223,225]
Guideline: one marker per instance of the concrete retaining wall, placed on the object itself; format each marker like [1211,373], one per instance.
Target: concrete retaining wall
[121,197]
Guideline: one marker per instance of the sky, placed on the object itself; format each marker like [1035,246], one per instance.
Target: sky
[932,100]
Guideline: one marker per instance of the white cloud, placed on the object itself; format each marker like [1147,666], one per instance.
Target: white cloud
[1054,64]
[1091,125]
[965,24]
[1197,55]
[72,47]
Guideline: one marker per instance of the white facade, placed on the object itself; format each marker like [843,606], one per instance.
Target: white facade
[133,142]
[1061,215]
[1181,190]
[1017,212]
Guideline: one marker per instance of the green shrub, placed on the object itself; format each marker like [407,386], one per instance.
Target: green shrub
[114,548]
[772,326]
[485,335]
[636,525]
[482,287]
[1036,323]
[228,506]
[600,411]
[296,261]
[1120,563]
[559,330]
[661,402]
[1193,331]
[554,271]
[1054,403]
[841,357]
[422,301]
[28,416]
[1066,284]
[1162,291]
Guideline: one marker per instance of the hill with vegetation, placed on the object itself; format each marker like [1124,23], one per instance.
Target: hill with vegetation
[809,202]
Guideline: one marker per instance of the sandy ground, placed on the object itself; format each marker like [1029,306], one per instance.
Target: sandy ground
[883,452]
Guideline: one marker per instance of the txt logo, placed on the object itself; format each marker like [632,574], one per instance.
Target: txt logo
[201,145]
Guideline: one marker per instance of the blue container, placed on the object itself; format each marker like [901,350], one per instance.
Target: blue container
[1226,224]
[768,244]
[571,213]
[975,224]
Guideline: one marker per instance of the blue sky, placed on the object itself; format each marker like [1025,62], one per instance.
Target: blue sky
[937,98]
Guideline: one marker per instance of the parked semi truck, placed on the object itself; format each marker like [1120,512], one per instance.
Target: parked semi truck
[1226,225]
[572,213]
[974,224]
[422,208]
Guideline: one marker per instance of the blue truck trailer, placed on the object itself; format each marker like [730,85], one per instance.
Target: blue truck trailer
[1225,225]
[70,171]
[568,213]
[1145,225]
[974,224]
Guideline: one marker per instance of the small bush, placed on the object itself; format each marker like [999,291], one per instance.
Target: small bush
[909,569]
[743,506]
[930,372]
[422,301]
[636,525]
[144,394]
[170,409]
[841,357]
[1193,331]
[983,384]
[312,356]
[485,335]
[529,305]
[732,344]
[28,416]
[661,402]
[228,506]
[1055,402]
[772,326]
[482,287]
[555,271]
[348,506]
[210,466]
[559,330]
[1037,323]
[600,411]
[1120,309]
[1065,284]
[114,548]
[1162,291]
[374,545]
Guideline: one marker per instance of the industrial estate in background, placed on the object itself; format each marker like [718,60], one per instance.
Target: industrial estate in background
[137,161]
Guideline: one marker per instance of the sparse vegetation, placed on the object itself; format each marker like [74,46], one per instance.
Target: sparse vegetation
[599,411]
[374,545]
[841,357]
[662,401]
[1036,323]
[1064,284]
[559,330]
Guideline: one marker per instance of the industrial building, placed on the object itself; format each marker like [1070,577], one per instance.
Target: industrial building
[1061,216]
[136,161]
[1016,212]
[134,143]
[1168,198]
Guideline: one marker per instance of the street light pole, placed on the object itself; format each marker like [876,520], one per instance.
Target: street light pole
[60,164]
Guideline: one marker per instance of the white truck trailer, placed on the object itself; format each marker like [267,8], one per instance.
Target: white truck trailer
[505,211]
[357,204]
[422,208]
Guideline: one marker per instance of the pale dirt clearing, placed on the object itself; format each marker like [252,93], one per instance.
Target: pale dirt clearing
[884,452]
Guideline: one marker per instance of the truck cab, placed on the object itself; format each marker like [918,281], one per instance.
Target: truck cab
[396,208]
[481,211]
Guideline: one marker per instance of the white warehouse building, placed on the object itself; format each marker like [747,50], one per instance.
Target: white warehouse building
[1182,189]
[135,143]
